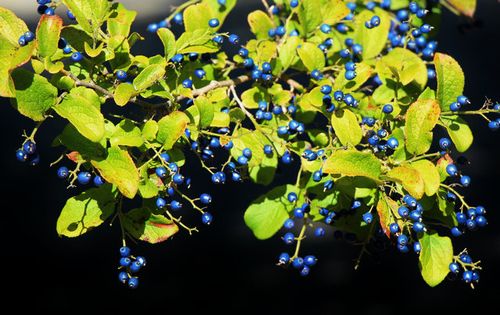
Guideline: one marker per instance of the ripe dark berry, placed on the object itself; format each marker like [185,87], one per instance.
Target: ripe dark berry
[21,156]
[77,56]
[402,239]
[292,197]
[125,261]
[444,143]
[175,205]
[141,260]
[29,36]
[63,172]
[288,238]
[394,228]
[161,203]
[298,213]
[284,258]
[98,181]
[456,232]
[494,125]
[465,180]
[319,232]
[417,247]
[123,277]
[199,73]
[213,22]
[454,268]
[133,282]
[188,83]
[298,263]
[161,172]
[375,21]
[454,107]
[135,267]
[178,179]
[84,178]
[234,39]
[418,227]
[124,251]
[268,149]
[452,170]
[368,218]
[350,75]
[289,224]
[388,108]
[294,3]
[29,147]
[206,218]
[121,75]
[310,260]
[392,143]
[205,199]
[467,276]
[403,211]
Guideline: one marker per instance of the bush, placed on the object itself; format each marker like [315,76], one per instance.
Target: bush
[352,97]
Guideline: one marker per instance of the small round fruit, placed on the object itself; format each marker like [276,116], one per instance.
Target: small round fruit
[284,258]
[205,199]
[213,22]
[63,172]
[84,178]
[125,251]
[206,218]
[123,277]
[310,260]
[288,238]
[133,282]
[77,56]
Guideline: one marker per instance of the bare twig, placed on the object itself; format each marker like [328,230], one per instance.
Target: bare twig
[216,84]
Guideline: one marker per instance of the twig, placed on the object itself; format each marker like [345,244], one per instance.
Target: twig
[216,84]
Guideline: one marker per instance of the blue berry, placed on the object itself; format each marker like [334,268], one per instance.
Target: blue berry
[480,210]
[213,22]
[121,75]
[403,211]
[289,224]
[243,52]
[280,30]
[316,75]
[200,73]
[98,181]
[161,203]
[188,83]
[494,125]
[418,227]
[456,232]
[454,107]
[304,272]
[402,239]
[466,258]
[444,143]
[326,89]
[288,238]
[310,260]
[77,56]
[234,39]
[350,75]
[29,36]
[454,268]
[173,167]
[463,100]
[141,260]
[292,197]
[392,143]
[29,147]
[319,232]
[394,228]
[125,261]
[175,205]
[218,39]
[84,178]
[465,180]
[368,218]
[298,213]
[179,19]
[50,11]
[452,170]
[133,282]
[471,224]
[242,160]
[461,218]
[417,248]
[268,149]
[205,199]
[161,172]
[298,263]
[287,158]
[467,276]
[375,21]
[247,153]
[135,267]
[206,218]
[123,277]
[221,2]
[266,67]
[294,3]
[63,172]
[178,179]
[387,109]
[284,258]
[70,15]
[325,28]
[124,251]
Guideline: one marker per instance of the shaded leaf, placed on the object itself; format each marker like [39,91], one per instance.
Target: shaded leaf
[346,126]
[171,128]
[410,179]
[459,131]
[148,227]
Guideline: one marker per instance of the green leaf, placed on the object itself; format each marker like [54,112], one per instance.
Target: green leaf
[262,167]
[288,51]
[171,128]
[149,76]
[372,40]
[363,73]
[123,93]
[126,134]
[253,96]
[119,169]
[353,163]
[459,131]
[450,80]
[410,179]
[149,130]
[312,57]
[220,120]
[82,108]
[333,11]
[346,126]
[199,41]
[168,40]
[11,54]
[48,34]
[405,66]
[444,212]
[90,14]
[318,137]
[260,24]
[429,174]
[309,17]
[465,7]
[120,20]
[148,227]
[86,211]
[196,17]
[435,257]
[421,118]
[34,94]
[206,111]
[266,214]
[74,141]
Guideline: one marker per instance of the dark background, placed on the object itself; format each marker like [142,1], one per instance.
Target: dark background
[224,268]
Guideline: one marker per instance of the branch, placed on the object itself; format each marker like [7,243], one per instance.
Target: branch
[216,84]
[108,94]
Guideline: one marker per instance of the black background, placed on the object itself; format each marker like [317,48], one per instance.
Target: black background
[224,268]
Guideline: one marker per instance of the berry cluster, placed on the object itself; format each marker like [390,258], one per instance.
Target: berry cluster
[129,267]
[27,153]
[470,270]
[82,177]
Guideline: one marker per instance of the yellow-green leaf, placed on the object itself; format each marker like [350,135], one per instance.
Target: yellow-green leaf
[48,34]
[149,76]
[435,257]
[123,93]
[372,40]
[171,128]
[421,118]
[333,11]
[459,131]
[168,40]
[465,7]
[196,17]
[353,163]
[450,80]
[119,169]
[148,227]
[260,24]
[429,174]
[312,57]
[410,179]
[346,126]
